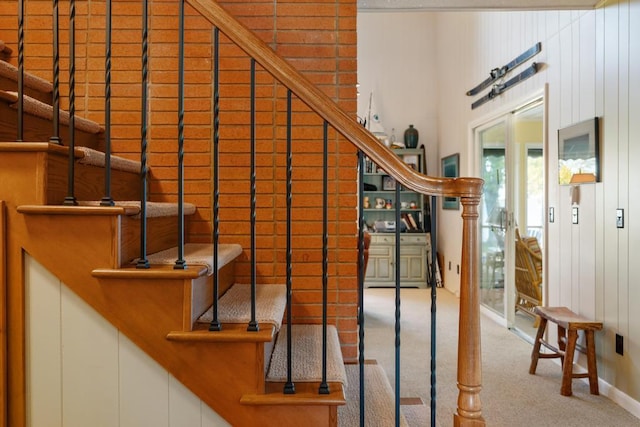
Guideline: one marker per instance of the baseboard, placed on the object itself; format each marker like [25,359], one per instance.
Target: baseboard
[619,397]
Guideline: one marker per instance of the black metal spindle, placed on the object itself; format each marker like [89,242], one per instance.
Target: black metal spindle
[253,324]
[20,130]
[397,312]
[55,136]
[180,264]
[215,324]
[324,386]
[106,199]
[143,262]
[434,283]
[289,387]
[361,273]
[71,199]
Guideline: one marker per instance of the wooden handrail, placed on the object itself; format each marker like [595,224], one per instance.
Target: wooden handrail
[326,108]
[469,411]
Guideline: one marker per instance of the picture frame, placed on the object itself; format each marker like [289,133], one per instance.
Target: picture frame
[579,153]
[388,183]
[451,169]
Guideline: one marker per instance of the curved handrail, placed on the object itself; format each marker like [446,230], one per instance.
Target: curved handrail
[326,108]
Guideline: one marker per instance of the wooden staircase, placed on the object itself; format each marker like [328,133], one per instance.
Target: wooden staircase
[92,249]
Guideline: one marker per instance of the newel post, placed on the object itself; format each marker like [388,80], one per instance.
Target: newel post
[469,411]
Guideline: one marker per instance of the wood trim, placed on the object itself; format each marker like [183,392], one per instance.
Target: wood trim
[326,108]
[3,315]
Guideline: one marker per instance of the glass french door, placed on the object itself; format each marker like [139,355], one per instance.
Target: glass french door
[492,140]
[511,162]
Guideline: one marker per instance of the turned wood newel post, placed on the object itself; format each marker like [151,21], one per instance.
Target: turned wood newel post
[469,352]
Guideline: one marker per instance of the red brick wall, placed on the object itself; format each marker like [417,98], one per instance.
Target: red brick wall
[318,38]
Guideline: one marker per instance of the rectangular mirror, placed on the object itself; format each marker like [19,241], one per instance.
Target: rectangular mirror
[579,153]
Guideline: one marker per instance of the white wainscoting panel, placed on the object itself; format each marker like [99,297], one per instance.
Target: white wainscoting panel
[81,371]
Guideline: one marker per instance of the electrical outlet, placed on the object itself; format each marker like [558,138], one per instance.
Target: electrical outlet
[574,215]
[619,345]
[620,218]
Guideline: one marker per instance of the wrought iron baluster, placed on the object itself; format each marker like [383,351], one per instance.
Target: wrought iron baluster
[324,386]
[397,312]
[215,323]
[253,324]
[106,199]
[361,273]
[142,261]
[71,199]
[55,136]
[20,131]
[289,387]
[180,264]
[434,260]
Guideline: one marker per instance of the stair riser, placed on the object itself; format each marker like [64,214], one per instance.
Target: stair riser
[40,130]
[162,234]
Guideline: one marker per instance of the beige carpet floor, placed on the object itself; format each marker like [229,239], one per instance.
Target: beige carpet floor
[510,396]
[379,399]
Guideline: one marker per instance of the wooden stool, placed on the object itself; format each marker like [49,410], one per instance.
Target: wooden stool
[569,323]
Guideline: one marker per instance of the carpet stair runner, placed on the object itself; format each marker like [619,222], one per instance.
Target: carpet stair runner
[34,86]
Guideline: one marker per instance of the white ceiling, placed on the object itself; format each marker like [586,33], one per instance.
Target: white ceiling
[476,4]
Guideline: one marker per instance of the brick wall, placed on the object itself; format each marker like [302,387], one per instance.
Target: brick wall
[318,38]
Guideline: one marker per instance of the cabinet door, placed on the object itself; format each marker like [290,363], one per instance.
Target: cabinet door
[380,266]
[412,263]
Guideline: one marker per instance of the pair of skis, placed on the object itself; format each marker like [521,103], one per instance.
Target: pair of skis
[498,73]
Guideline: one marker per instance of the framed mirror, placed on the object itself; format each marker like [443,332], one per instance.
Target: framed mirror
[579,153]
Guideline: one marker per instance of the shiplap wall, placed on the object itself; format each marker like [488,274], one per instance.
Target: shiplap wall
[82,372]
[591,68]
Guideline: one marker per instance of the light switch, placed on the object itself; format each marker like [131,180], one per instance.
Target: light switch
[574,215]
[620,218]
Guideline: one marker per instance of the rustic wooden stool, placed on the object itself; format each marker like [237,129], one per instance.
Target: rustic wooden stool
[569,323]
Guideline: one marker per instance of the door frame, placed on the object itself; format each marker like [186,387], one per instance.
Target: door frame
[474,166]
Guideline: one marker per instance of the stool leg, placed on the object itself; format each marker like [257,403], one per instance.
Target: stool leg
[567,365]
[591,362]
[535,353]
[562,342]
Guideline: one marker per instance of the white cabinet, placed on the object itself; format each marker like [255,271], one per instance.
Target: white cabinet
[415,251]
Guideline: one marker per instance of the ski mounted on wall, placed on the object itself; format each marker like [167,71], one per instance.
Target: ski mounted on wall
[501,88]
[497,73]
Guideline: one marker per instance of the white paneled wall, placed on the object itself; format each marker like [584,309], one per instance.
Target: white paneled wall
[82,372]
[591,68]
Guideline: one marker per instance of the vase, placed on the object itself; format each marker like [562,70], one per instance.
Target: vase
[411,137]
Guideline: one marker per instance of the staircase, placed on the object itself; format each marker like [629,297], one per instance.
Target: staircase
[179,302]
[201,310]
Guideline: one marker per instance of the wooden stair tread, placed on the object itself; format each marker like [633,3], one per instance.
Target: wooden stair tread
[155,272]
[39,109]
[77,210]
[198,253]
[229,333]
[306,394]
[98,158]
[129,208]
[32,81]
[307,355]
[235,305]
